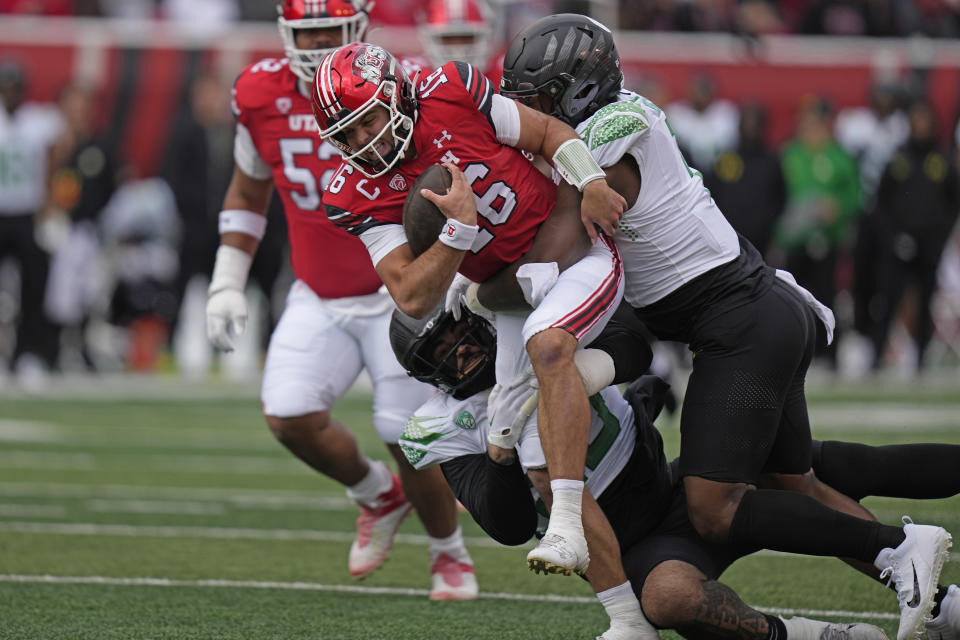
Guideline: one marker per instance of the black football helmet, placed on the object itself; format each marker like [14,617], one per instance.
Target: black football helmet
[428,350]
[568,57]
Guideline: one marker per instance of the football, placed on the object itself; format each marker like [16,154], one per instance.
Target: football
[422,220]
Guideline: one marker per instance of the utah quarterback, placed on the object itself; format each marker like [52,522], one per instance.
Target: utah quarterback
[336,317]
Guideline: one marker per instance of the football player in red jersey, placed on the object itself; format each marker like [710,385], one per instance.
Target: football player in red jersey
[460,30]
[336,316]
[389,131]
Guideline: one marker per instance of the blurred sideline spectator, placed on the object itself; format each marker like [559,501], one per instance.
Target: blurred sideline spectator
[747,182]
[141,230]
[198,168]
[82,185]
[916,208]
[823,199]
[28,132]
[458,30]
[871,134]
[704,125]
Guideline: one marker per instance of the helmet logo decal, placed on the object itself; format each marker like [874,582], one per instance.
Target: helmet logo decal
[465,420]
[369,64]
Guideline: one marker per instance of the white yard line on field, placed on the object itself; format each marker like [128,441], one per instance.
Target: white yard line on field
[392,591]
[220,533]
[269,499]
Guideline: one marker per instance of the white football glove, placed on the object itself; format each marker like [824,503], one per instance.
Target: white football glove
[455,294]
[227,304]
[508,408]
[226,317]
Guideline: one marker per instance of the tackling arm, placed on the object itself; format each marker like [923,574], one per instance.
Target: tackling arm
[559,144]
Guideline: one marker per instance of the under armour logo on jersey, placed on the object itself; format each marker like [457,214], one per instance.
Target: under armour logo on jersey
[449,157]
[444,136]
[284,104]
[398,183]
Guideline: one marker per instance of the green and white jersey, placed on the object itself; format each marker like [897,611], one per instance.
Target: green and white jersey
[444,428]
[674,232]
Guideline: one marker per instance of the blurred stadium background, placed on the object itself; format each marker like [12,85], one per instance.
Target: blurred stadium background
[131,454]
[157,76]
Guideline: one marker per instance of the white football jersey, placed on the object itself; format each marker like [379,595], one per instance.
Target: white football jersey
[444,428]
[25,141]
[674,232]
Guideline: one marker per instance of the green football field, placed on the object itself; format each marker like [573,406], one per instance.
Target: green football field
[153,508]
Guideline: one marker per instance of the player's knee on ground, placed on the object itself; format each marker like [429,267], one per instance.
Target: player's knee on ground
[297,428]
[672,594]
[551,348]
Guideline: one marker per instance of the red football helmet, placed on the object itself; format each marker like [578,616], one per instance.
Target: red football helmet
[352,81]
[352,16]
[457,30]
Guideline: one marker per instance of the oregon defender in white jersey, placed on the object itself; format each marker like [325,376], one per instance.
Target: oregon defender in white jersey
[458,356]
[673,232]
[672,568]
[445,428]
[753,334]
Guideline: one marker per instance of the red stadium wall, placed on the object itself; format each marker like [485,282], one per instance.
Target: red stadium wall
[143,71]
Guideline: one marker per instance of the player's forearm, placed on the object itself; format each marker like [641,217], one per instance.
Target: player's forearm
[245,195]
[561,239]
[541,134]
[419,285]
[495,494]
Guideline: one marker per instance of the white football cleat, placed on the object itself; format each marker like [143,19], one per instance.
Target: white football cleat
[452,579]
[800,628]
[915,569]
[376,528]
[946,626]
[560,552]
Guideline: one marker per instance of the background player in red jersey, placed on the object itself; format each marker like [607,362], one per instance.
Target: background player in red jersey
[336,317]
[460,30]
[367,107]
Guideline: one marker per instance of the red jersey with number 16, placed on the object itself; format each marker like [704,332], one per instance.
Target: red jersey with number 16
[280,121]
[454,125]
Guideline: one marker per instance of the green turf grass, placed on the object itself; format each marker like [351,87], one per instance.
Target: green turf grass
[195,490]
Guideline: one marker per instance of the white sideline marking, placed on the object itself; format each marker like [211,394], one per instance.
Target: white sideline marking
[222,533]
[392,591]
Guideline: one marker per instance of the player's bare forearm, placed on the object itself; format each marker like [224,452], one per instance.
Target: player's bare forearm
[418,285]
[541,134]
[561,239]
[245,193]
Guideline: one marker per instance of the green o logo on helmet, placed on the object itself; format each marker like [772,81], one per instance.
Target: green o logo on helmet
[465,420]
